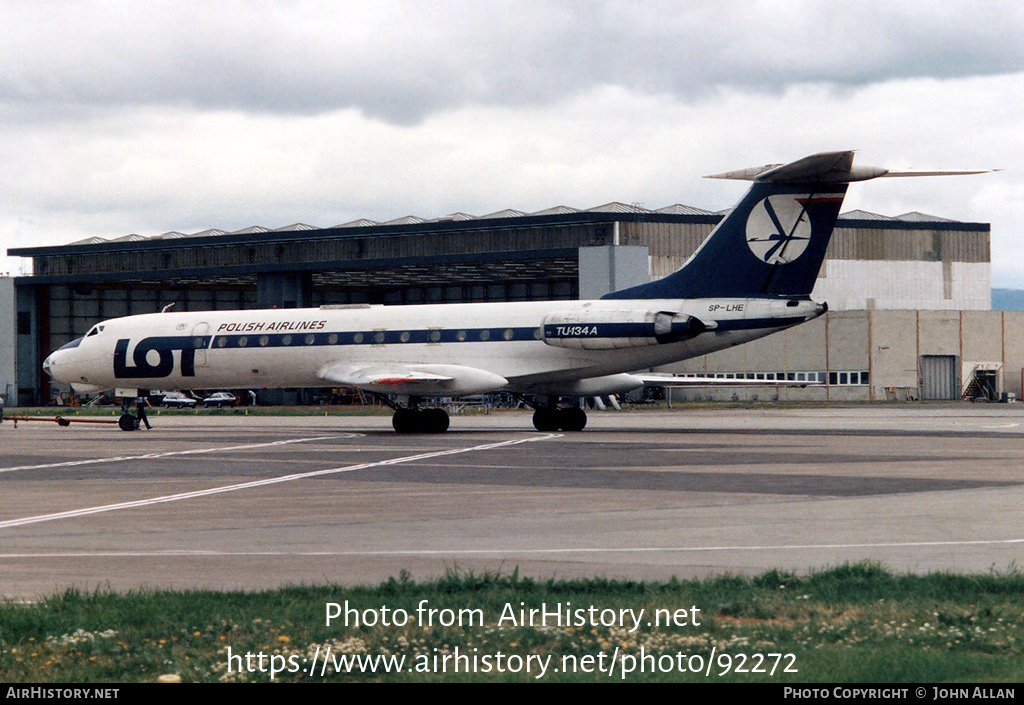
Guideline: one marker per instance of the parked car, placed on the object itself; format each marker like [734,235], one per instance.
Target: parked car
[220,399]
[177,400]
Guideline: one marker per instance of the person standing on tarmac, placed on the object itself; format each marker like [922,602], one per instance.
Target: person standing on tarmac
[141,402]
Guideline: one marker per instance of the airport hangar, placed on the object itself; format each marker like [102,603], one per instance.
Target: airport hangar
[909,296]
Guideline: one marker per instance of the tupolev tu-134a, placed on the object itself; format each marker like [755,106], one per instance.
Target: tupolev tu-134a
[751,277]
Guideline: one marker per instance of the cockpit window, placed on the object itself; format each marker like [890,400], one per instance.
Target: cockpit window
[94,331]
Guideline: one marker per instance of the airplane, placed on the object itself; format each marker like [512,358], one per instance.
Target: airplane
[751,277]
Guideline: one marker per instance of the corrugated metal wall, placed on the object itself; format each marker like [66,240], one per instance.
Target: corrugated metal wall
[328,247]
[910,245]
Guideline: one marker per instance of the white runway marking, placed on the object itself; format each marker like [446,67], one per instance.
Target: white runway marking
[195,451]
[258,483]
[505,551]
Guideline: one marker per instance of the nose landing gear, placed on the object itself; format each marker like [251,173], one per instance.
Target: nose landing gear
[127,422]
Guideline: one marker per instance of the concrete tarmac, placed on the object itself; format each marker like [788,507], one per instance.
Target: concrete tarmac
[234,502]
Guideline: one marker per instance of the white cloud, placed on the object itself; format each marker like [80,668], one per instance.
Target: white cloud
[403,60]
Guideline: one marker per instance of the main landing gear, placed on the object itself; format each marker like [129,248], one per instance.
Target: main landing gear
[551,418]
[414,420]
[409,418]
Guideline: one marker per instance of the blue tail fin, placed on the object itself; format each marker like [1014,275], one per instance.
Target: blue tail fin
[772,243]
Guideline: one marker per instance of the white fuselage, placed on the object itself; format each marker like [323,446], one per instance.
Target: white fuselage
[514,341]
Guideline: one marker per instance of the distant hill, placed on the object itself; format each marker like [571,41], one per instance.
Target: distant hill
[1008,300]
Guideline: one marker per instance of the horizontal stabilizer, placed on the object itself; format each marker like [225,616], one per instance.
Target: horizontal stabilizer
[826,168]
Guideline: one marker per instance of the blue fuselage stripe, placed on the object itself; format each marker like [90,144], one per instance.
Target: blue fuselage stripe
[429,336]
[373,337]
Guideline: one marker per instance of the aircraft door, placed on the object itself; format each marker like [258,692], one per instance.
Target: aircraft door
[201,341]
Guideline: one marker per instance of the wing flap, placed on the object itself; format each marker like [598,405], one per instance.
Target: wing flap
[413,379]
[364,375]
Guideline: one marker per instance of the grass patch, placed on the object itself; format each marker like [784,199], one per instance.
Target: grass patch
[852,623]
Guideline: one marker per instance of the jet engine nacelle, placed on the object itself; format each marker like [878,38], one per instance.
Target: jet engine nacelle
[608,330]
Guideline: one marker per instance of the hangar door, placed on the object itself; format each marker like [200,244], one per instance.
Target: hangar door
[939,378]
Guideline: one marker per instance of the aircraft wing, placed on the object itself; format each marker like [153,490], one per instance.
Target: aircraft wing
[413,379]
[658,380]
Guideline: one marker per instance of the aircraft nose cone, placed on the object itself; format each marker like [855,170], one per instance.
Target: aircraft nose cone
[53,365]
[63,356]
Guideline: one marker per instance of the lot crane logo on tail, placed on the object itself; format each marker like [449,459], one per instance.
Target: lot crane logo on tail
[784,219]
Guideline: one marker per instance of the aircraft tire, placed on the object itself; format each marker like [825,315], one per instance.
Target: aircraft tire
[406,421]
[435,420]
[545,419]
[127,422]
[572,419]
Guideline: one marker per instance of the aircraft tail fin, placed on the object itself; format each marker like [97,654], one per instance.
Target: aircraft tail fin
[773,242]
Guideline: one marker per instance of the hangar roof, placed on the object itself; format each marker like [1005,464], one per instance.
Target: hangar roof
[614,207]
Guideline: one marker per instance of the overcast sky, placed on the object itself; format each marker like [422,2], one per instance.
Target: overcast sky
[146,117]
